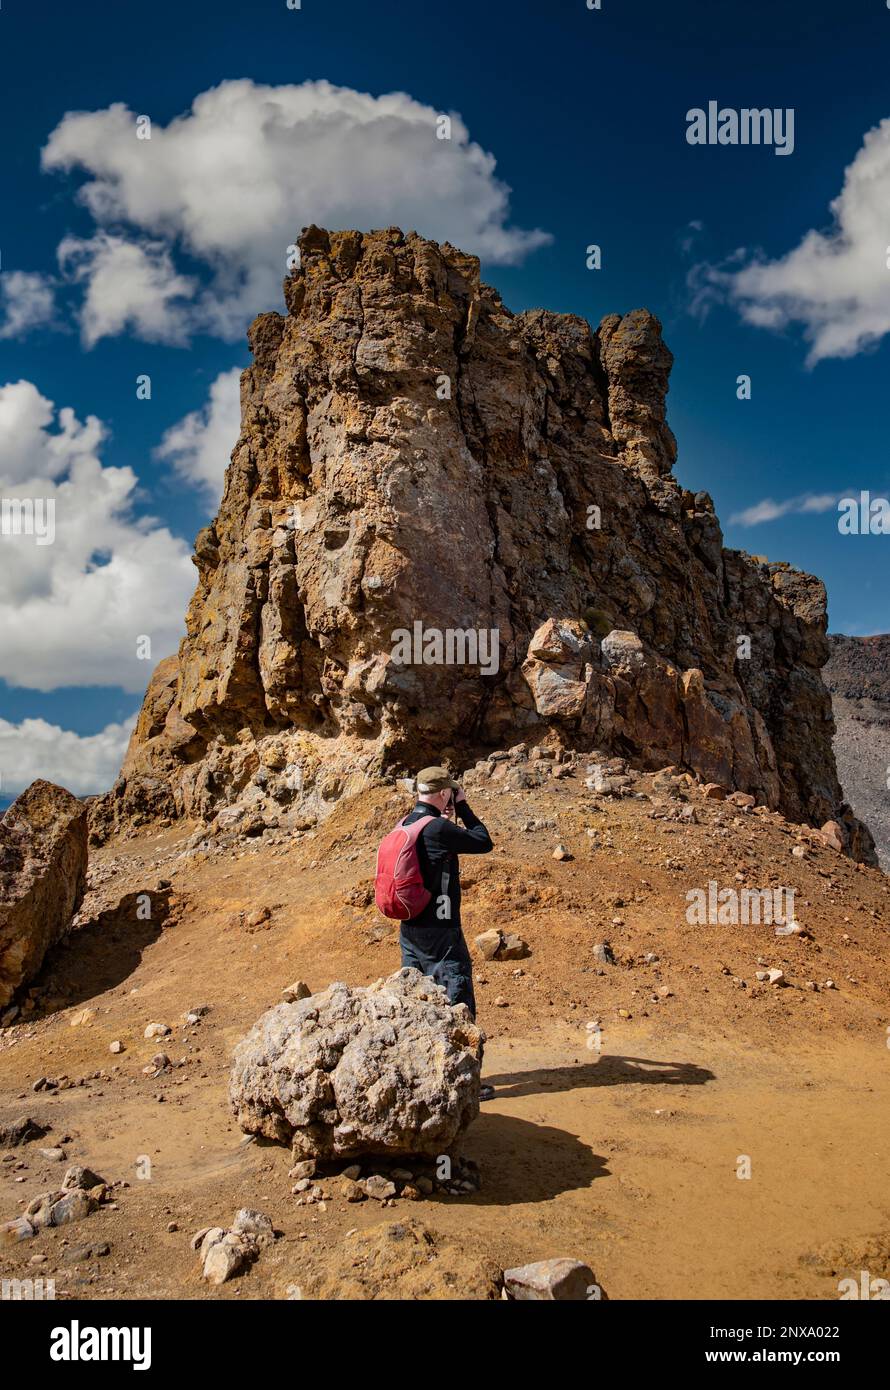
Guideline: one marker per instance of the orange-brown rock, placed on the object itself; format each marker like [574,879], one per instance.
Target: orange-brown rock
[446,528]
[43,865]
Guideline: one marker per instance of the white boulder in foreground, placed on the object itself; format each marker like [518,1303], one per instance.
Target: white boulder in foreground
[550,1280]
[391,1068]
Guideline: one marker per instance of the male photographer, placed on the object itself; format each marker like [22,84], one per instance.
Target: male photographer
[433,941]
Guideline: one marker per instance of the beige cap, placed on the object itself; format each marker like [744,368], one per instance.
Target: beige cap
[435,779]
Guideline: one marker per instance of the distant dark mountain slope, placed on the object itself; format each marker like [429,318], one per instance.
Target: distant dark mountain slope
[858,676]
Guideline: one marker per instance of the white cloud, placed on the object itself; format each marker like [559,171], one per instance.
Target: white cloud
[129,285]
[71,611]
[232,181]
[769,510]
[200,444]
[82,763]
[836,283]
[28,301]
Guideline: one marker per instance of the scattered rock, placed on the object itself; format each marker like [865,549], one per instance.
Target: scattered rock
[20,1132]
[225,1253]
[77,1176]
[12,1232]
[80,1254]
[489,943]
[254,1223]
[550,1280]
[832,836]
[378,1187]
[225,1256]
[73,1206]
[561,853]
[298,990]
[157,1030]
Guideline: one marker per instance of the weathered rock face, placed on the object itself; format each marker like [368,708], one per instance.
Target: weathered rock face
[436,512]
[388,1069]
[43,864]
[858,676]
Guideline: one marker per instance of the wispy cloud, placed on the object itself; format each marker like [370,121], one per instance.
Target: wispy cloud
[770,510]
[690,235]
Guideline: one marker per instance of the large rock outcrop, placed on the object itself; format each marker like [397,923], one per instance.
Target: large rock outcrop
[424,484]
[390,1069]
[43,865]
[858,676]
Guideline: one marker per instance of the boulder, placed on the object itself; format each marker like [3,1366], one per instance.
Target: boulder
[556,669]
[391,1068]
[550,1280]
[43,866]
[21,1131]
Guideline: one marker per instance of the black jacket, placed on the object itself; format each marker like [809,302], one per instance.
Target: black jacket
[438,845]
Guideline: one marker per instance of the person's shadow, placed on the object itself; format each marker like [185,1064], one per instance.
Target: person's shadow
[608,1071]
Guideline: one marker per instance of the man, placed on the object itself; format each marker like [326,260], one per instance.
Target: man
[433,941]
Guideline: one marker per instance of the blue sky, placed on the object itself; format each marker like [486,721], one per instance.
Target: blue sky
[122,258]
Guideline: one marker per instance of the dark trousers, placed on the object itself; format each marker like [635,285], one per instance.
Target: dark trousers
[442,953]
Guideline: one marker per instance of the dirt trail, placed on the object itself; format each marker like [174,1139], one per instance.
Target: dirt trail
[626,1157]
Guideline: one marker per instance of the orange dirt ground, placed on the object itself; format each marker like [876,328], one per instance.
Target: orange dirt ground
[625,1157]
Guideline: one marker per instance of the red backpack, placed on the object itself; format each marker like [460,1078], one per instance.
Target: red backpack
[399,889]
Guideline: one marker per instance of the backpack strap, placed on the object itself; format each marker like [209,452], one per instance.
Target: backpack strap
[445,877]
